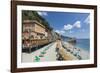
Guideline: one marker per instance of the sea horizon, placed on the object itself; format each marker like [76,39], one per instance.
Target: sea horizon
[83,43]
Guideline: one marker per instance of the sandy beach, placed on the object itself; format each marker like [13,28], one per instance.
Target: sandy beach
[49,53]
[65,54]
[83,53]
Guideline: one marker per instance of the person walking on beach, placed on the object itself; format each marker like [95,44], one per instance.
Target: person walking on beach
[79,54]
[59,57]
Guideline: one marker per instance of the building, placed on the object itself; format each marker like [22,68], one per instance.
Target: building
[34,34]
[33,29]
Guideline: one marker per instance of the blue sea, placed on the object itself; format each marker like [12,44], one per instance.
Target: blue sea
[83,43]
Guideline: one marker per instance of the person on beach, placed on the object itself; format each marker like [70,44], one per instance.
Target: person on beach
[75,51]
[57,48]
[59,57]
[79,53]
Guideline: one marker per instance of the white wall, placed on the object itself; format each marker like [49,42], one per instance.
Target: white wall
[5,36]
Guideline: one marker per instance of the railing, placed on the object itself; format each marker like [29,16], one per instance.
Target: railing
[37,42]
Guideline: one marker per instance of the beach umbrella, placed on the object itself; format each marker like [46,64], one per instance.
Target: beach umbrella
[37,59]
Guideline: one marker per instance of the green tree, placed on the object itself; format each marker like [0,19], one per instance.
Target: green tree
[33,15]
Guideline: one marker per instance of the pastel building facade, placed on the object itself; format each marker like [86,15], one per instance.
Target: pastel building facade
[34,34]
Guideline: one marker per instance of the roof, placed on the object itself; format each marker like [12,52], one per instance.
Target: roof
[33,21]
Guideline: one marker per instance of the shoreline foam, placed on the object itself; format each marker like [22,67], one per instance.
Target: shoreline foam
[83,53]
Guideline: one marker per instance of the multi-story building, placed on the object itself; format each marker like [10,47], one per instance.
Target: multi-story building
[34,34]
[33,29]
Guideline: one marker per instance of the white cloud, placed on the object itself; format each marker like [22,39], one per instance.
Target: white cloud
[77,24]
[42,13]
[57,31]
[60,31]
[68,27]
[87,20]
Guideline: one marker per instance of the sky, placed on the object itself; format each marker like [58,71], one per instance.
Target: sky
[69,24]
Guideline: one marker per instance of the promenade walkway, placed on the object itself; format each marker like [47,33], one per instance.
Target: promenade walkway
[49,53]
[46,53]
